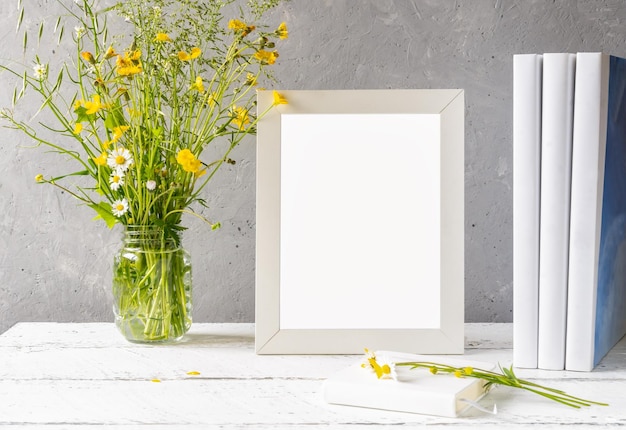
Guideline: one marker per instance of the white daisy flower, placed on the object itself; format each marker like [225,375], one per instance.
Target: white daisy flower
[151,185]
[40,71]
[119,207]
[120,159]
[80,31]
[387,368]
[382,366]
[116,180]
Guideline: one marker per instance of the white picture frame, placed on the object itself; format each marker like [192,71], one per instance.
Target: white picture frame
[360,222]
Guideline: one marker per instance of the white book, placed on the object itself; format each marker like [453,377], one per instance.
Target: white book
[596,316]
[556,164]
[416,391]
[527,75]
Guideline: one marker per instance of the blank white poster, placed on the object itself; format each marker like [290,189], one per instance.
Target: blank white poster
[360,221]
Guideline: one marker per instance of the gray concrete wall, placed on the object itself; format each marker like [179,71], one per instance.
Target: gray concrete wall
[55,262]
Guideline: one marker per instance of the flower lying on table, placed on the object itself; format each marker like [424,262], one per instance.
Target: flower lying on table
[385,369]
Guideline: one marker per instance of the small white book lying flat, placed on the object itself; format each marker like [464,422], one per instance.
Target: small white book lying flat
[415,391]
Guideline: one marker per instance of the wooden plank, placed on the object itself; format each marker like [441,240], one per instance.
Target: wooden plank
[65,375]
[282,402]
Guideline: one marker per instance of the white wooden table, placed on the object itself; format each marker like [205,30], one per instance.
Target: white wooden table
[58,376]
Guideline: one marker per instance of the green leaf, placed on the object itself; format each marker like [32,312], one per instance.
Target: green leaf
[24,83]
[105,213]
[20,18]
[58,83]
[82,116]
[40,32]
[60,35]
[114,119]
[79,173]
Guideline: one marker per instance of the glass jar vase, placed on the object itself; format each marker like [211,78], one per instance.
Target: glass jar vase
[152,286]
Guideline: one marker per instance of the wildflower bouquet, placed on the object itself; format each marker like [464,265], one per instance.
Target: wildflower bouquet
[134,112]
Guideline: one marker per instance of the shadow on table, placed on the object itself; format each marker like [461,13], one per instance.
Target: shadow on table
[213,340]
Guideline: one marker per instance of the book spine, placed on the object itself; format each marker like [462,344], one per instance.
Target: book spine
[610,323]
[556,159]
[527,76]
[588,156]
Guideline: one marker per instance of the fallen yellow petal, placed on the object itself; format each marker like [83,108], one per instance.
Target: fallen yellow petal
[193,372]
[155,380]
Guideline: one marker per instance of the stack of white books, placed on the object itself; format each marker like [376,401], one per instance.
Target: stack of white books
[569,208]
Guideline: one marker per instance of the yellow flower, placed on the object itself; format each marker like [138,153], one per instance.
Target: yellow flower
[195,52]
[282,31]
[468,370]
[78,104]
[110,53]
[184,56]
[235,24]
[184,155]
[279,99]
[458,373]
[101,160]
[39,178]
[106,144]
[129,64]
[88,56]
[118,132]
[94,105]
[240,27]
[162,37]
[78,127]
[251,79]
[266,57]
[240,117]
[433,370]
[189,162]
[211,99]
[198,85]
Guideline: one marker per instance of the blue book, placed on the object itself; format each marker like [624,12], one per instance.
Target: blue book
[596,314]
